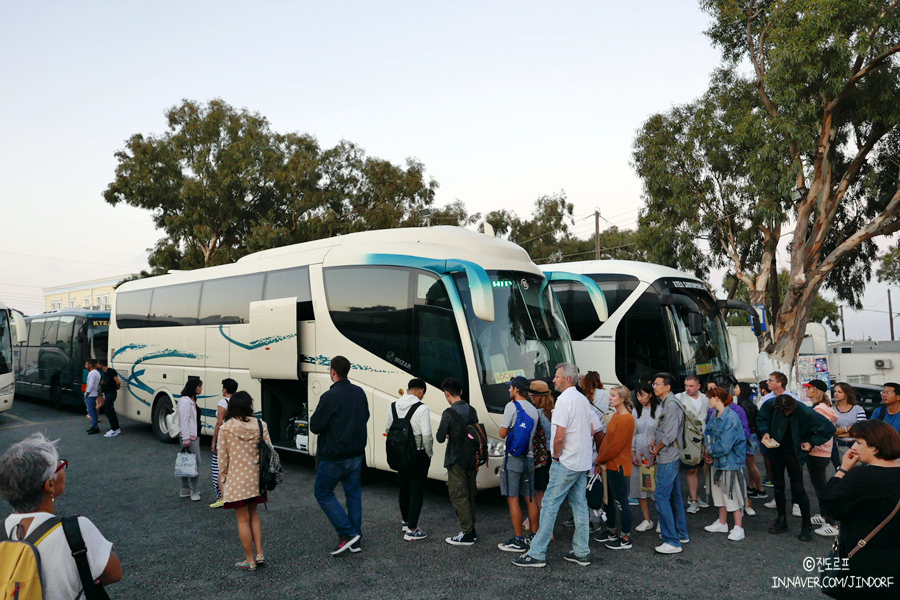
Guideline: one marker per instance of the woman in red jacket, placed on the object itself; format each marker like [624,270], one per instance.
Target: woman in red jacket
[615,456]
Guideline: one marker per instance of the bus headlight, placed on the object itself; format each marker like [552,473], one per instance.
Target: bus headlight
[8,388]
[496,448]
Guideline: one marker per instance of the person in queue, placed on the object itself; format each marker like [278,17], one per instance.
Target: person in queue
[669,506]
[889,411]
[790,430]
[861,499]
[742,396]
[696,408]
[32,477]
[189,420]
[542,399]
[726,446]
[849,414]
[229,387]
[645,416]
[820,456]
[238,448]
[614,455]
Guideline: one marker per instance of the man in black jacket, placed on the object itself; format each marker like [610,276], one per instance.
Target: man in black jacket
[340,422]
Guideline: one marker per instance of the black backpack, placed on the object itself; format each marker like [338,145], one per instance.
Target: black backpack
[402,452]
[472,450]
[270,472]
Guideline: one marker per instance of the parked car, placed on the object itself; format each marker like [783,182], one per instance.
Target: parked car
[867,395]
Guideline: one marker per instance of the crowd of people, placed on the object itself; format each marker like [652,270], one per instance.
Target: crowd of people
[600,450]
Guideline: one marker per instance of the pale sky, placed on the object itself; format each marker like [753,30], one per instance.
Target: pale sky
[502,101]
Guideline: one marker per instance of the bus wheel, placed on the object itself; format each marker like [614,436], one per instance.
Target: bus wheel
[56,395]
[162,406]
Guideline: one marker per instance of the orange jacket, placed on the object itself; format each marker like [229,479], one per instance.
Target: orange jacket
[615,451]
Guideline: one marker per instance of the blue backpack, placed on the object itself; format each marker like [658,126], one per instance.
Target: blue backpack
[519,438]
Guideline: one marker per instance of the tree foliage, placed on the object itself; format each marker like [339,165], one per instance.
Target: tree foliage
[220,183]
[889,269]
[802,149]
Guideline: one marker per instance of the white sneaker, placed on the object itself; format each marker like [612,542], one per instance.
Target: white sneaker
[796,511]
[827,530]
[702,503]
[771,504]
[748,510]
[668,549]
[717,526]
[817,519]
[195,496]
[644,526]
[658,528]
[736,534]
[185,492]
[110,433]
[693,507]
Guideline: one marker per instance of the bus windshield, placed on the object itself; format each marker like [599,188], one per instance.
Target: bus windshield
[707,353]
[97,337]
[527,338]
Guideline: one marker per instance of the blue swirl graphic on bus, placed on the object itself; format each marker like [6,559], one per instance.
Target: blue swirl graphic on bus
[267,341]
[129,347]
[324,361]
[134,379]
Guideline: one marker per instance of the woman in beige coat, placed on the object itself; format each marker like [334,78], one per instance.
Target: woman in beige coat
[239,474]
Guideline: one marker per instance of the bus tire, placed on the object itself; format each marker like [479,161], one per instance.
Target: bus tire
[56,395]
[162,406]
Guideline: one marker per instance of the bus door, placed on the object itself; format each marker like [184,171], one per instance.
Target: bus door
[274,360]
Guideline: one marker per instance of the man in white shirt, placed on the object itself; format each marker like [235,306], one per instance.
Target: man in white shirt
[91,391]
[696,405]
[574,423]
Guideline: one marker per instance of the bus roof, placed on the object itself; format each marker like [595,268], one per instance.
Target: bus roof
[77,312]
[648,272]
[440,243]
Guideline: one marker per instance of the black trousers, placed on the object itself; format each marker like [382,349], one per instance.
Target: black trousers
[412,489]
[817,465]
[787,459]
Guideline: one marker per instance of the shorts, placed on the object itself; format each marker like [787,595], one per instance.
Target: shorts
[247,502]
[541,478]
[752,445]
[514,483]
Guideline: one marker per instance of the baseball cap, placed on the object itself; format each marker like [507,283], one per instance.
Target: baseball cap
[818,384]
[520,383]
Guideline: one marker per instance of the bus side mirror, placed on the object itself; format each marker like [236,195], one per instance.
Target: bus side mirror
[695,324]
[21,330]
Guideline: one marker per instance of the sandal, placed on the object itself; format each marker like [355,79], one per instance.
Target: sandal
[245,565]
[260,560]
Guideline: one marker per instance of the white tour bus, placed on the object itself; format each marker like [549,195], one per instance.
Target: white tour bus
[401,303]
[12,331]
[659,320]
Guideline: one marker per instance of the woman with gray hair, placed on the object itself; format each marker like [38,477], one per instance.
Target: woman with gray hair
[32,477]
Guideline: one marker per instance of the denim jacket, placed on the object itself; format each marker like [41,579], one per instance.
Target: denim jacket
[725,441]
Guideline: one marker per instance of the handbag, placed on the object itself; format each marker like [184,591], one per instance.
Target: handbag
[837,562]
[648,478]
[185,464]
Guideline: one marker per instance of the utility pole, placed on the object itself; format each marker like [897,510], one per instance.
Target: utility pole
[843,329]
[891,314]
[597,234]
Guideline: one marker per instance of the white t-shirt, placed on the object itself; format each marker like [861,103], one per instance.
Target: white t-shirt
[58,569]
[92,387]
[698,406]
[223,403]
[573,411]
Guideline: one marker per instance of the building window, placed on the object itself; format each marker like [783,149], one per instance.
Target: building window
[103,301]
[87,302]
[56,305]
[71,302]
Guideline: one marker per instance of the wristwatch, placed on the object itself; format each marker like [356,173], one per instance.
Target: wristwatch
[555,458]
[842,470]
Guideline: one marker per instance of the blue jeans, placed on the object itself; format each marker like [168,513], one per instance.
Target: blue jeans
[329,473]
[669,505]
[563,484]
[91,403]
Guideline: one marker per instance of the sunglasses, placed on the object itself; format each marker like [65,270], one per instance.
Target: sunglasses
[63,465]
